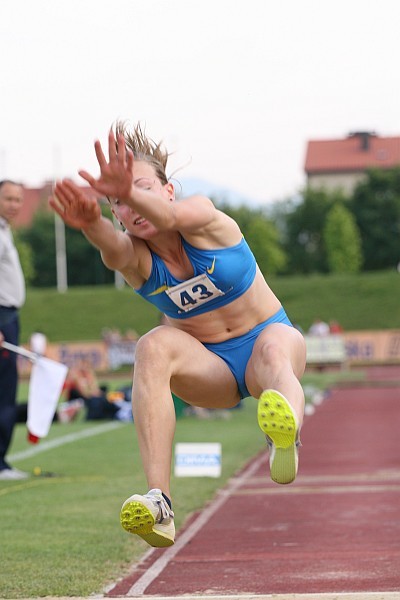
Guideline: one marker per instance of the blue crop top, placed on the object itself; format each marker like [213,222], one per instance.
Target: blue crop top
[220,276]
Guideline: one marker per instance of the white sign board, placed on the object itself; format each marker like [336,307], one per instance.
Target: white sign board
[198,460]
[325,349]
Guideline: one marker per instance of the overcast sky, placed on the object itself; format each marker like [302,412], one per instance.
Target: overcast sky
[234,87]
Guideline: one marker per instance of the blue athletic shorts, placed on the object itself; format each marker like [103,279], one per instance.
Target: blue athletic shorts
[237,351]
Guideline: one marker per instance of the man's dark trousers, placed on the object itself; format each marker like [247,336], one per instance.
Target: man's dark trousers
[9,326]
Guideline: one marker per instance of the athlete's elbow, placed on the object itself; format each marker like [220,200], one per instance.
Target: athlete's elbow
[112,260]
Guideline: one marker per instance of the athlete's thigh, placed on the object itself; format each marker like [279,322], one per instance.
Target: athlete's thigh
[288,340]
[199,376]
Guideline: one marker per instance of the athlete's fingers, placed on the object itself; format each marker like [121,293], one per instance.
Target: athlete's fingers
[70,187]
[69,190]
[100,155]
[69,196]
[60,201]
[102,187]
[112,147]
[87,177]
[129,160]
[121,148]
[60,194]
[54,203]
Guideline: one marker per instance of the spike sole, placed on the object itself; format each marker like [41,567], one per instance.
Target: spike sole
[278,421]
[136,518]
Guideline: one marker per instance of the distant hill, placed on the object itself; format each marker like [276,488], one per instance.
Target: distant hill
[192,185]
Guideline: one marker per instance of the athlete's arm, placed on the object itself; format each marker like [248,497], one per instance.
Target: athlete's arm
[199,221]
[82,212]
[195,216]
[116,248]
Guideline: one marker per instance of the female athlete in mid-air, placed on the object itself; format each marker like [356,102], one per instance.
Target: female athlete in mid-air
[227,335]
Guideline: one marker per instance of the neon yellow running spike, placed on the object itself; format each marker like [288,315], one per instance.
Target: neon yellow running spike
[150,518]
[277,420]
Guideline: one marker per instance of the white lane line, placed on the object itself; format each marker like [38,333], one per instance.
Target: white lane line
[384,475]
[312,490]
[65,439]
[159,565]
[295,596]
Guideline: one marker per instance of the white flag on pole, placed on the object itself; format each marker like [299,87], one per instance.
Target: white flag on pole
[45,386]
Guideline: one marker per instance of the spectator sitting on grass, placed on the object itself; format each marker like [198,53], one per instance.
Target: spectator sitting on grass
[335,327]
[82,383]
[319,328]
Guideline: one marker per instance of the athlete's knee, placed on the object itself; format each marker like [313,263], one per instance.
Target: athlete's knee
[271,354]
[156,344]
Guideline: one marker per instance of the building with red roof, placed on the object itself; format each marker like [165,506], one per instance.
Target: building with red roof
[333,164]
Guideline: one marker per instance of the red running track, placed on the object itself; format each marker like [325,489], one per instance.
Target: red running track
[336,529]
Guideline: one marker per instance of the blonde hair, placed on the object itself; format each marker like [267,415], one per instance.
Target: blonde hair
[144,148]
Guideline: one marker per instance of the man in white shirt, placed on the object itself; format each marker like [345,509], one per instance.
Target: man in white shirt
[12,297]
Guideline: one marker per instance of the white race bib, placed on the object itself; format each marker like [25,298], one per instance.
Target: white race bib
[193,292]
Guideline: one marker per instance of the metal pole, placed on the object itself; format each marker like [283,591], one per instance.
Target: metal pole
[61,254]
[119,281]
[59,230]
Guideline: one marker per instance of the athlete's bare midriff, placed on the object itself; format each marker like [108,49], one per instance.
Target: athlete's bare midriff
[256,305]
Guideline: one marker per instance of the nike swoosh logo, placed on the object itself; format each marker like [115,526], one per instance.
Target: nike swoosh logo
[159,290]
[210,270]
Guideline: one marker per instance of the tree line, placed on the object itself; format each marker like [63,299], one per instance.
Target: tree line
[319,231]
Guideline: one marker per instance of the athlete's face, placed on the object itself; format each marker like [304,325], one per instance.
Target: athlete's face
[145,178]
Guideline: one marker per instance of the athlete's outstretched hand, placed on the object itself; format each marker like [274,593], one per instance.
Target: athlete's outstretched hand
[75,209]
[116,175]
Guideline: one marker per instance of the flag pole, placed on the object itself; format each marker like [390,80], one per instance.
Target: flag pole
[19,350]
[59,230]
